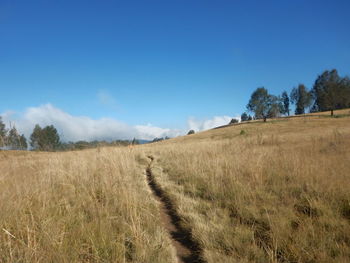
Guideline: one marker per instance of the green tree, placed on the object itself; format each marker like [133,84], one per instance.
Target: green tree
[244,116]
[50,140]
[331,92]
[35,138]
[301,97]
[233,121]
[46,139]
[3,132]
[285,101]
[13,139]
[190,132]
[23,142]
[263,104]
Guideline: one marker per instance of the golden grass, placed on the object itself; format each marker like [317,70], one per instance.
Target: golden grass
[255,192]
[86,206]
[277,192]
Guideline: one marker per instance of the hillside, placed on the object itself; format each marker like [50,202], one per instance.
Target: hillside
[253,192]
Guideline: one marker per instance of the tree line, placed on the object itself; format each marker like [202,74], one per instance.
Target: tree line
[11,139]
[48,139]
[329,92]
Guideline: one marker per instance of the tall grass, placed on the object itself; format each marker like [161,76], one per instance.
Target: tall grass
[87,206]
[255,192]
[279,192]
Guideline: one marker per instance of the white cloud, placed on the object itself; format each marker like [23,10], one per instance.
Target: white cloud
[74,128]
[200,125]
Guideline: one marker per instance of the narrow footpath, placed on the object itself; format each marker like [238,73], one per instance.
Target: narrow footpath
[187,250]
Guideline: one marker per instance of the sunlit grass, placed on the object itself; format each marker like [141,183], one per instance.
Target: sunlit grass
[254,192]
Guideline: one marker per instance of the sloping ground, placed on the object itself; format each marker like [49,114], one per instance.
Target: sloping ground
[255,192]
[85,206]
[263,192]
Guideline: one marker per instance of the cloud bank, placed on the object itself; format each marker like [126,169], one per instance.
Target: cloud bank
[200,125]
[75,128]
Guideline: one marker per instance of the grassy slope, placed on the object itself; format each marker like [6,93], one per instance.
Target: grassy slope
[279,191]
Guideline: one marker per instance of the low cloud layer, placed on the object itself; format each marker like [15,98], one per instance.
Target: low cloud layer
[200,125]
[76,128]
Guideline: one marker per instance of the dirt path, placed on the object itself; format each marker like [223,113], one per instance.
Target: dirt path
[188,251]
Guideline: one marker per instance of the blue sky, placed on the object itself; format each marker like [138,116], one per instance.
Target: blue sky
[162,63]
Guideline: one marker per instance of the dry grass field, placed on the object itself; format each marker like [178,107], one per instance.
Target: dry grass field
[253,192]
[83,206]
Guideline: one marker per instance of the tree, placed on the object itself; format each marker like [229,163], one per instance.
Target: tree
[50,138]
[244,116]
[23,142]
[250,117]
[301,97]
[3,132]
[263,104]
[35,138]
[46,139]
[331,92]
[190,132]
[285,101]
[233,121]
[13,139]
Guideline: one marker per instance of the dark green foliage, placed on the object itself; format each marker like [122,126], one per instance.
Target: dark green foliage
[301,97]
[191,132]
[13,139]
[331,92]
[46,139]
[263,104]
[250,117]
[23,142]
[244,116]
[285,101]
[233,121]
[35,137]
[3,132]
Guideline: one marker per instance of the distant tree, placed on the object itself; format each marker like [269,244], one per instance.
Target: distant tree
[23,142]
[46,139]
[331,92]
[250,117]
[233,121]
[263,104]
[244,116]
[276,107]
[191,132]
[285,101]
[50,138]
[13,139]
[134,142]
[3,132]
[35,138]
[301,97]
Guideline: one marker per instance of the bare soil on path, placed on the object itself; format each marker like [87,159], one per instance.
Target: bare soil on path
[187,249]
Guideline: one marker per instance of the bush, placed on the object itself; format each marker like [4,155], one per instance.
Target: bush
[191,132]
[233,121]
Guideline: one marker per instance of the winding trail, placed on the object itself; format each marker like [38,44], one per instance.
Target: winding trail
[187,249]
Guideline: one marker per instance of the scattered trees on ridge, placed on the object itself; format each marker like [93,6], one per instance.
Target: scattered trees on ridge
[330,92]
[263,104]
